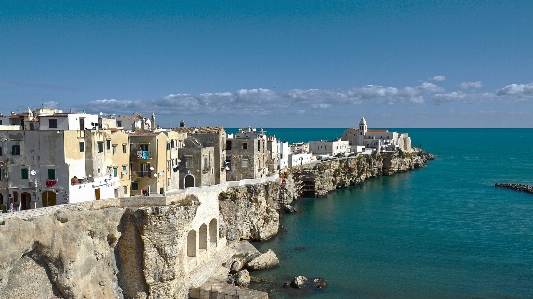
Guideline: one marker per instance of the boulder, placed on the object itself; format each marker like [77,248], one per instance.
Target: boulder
[236,266]
[289,209]
[242,278]
[263,261]
[299,282]
[320,283]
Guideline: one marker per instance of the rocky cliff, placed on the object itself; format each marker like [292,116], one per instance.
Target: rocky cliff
[103,249]
[92,251]
[327,176]
[250,212]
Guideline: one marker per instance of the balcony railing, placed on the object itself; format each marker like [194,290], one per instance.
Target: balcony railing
[140,155]
[144,173]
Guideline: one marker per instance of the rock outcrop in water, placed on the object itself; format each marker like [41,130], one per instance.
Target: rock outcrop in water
[517,187]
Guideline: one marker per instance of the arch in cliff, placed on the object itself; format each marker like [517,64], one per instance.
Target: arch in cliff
[213,232]
[188,181]
[191,243]
[203,237]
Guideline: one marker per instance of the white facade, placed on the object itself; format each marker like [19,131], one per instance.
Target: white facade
[296,159]
[71,121]
[333,147]
[381,140]
[283,151]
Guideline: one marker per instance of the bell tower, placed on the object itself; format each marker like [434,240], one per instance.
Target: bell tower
[362,132]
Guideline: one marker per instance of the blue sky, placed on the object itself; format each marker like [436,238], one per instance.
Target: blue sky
[273,63]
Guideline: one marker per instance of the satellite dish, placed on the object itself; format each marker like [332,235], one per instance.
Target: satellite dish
[33,172]
[152,168]
[155,175]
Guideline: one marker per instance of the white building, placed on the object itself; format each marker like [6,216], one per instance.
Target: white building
[333,147]
[297,159]
[381,140]
[43,168]
[68,121]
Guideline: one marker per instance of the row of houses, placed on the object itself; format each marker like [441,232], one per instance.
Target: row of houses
[48,157]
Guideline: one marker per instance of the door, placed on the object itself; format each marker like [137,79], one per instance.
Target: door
[97,193]
[189,181]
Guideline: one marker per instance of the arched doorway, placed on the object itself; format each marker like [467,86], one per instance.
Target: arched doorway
[203,237]
[213,232]
[49,199]
[191,243]
[189,181]
[25,200]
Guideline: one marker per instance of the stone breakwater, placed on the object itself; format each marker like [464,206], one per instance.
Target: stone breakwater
[517,187]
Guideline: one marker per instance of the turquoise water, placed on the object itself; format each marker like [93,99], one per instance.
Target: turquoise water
[443,231]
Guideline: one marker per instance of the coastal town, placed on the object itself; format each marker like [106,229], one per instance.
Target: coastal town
[49,157]
[104,206]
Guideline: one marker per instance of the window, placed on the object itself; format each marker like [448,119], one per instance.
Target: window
[245,145]
[82,147]
[172,143]
[114,149]
[145,170]
[144,147]
[134,186]
[52,123]
[125,190]
[119,124]
[228,145]
[15,150]
[51,174]
[0,122]
[188,161]
[124,168]
[108,144]
[100,147]
[168,146]
[1,151]
[115,171]
[244,163]
[1,174]
[124,148]
[24,173]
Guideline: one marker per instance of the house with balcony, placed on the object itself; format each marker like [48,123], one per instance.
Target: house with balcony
[153,162]
[43,168]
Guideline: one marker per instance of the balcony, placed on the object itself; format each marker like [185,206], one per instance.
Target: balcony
[140,155]
[143,173]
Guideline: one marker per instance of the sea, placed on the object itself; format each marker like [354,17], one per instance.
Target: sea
[443,231]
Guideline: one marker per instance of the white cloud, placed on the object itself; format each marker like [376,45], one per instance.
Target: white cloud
[436,78]
[516,90]
[448,97]
[467,85]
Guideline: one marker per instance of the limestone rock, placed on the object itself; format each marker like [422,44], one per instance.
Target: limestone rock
[299,282]
[242,278]
[289,209]
[320,283]
[263,261]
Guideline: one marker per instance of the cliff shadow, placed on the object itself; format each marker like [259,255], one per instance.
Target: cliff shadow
[129,257]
